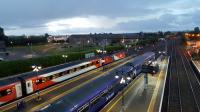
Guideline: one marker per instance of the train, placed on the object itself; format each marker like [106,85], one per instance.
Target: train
[93,96]
[27,83]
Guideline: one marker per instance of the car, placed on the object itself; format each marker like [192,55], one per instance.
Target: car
[1,59]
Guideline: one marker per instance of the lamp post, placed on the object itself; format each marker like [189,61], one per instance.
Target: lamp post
[65,57]
[124,80]
[88,41]
[30,45]
[37,69]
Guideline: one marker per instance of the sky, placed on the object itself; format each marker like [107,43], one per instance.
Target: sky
[33,17]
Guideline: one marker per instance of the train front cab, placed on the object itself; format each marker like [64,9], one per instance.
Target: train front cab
[150,69]
[10,92]
[119,55]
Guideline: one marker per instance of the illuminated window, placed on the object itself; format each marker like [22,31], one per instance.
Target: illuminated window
[5,92]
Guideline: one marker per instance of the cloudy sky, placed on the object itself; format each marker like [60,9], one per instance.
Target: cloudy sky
[84,16]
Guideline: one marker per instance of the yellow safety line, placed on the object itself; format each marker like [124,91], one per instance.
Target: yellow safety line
[155,93]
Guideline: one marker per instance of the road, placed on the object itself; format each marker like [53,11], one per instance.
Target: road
[183,87]
[53,93]
[139,97]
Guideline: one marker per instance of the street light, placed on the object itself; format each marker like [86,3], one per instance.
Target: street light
[65,57]
[30,45]
[123,80]
[37,69]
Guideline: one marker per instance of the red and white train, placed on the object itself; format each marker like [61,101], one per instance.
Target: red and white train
[27,83]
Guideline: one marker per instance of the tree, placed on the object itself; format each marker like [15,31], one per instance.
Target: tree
[2,35]
[196,30]
[46,35]
[160,34]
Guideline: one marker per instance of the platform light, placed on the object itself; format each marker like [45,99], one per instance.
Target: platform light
[122,81]
[116,76]
[39,67]
[33,66]
[36,68]
[64,56]
[128,78]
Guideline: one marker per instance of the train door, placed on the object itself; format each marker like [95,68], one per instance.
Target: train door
[115,57]
[18,90]
[29,86]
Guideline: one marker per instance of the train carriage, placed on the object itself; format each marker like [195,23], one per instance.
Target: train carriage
[10,89]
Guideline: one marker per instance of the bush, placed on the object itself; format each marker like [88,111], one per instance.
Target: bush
[114,48]
[8,68]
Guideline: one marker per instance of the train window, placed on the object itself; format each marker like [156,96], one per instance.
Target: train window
[78,68]
[43,80]
[102,93]
[61,74]
[75,69]
[66,72]
[71,71]
[28,84]
[5,92]
[82,67]
[50,77]
[95,100]
[84,108]
[38,81]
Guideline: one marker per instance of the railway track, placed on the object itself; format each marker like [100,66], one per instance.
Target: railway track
[184,86]
[174,98]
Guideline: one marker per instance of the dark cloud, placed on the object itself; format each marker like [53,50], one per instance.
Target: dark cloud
[24,15]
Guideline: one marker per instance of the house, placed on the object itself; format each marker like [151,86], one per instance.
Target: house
[58,38]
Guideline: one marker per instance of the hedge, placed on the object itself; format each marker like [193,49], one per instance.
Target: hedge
[8,68]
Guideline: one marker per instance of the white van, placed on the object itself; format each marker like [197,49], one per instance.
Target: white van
[1,59]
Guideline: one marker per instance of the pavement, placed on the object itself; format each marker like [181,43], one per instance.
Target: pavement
[141,97]
[53,93]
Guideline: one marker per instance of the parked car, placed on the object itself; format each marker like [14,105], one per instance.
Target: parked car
[1,59]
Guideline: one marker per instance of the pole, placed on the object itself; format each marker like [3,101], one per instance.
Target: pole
[145,80]
[31,50]
[166,47]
